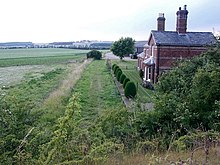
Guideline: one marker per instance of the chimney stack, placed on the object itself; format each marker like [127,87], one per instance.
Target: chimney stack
[181,23]
[161,22]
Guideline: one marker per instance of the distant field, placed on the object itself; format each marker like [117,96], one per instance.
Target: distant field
[38,52]
[18,64]
[43,56]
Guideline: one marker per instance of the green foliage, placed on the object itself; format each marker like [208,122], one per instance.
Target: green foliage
[113,66]
[192,89]
[118,75]
[126,80]
[141,73]
[144,95]
[130,90]
[122,47]
[122,77]
[115,69]
[19,113]
[97,55]
[15,57]
[194,140]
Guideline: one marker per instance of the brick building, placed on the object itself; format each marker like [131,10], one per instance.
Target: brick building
[165,47]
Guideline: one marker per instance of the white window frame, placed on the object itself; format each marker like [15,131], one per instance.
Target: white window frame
[149,73]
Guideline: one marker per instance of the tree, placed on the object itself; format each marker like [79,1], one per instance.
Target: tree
[123,47]
[97,55]
[193,91]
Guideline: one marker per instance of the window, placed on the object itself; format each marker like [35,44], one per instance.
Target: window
[152,51]
[149,73]
[145,73]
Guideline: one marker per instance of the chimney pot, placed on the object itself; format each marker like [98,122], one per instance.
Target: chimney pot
[161,22]
[181,24]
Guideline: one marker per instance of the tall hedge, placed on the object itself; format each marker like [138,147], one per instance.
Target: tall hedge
[125,82]
[130,90]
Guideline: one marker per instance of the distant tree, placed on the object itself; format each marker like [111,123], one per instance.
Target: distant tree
[97,55]
[123,47]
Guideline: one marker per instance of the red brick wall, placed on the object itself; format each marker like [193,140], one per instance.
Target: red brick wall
[168,55]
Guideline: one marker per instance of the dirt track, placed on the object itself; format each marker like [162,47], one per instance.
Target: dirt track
[111,56]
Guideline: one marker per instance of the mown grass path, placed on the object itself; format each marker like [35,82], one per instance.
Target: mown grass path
[97,91]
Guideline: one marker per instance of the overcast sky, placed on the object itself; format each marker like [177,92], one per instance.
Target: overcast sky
[72,20]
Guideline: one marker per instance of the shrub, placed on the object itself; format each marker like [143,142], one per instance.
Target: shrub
[113,66]
[97,55]
[115,69]
[130,90]
[121,79]
[118,75]
[141,73]
[125,82]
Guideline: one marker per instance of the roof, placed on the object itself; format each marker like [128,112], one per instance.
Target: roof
[149,61]
[171,38]
[141,55]
[140,43]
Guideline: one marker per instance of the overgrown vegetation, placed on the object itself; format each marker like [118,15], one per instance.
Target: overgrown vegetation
[94,127]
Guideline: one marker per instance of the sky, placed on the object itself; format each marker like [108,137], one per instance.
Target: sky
[43,21]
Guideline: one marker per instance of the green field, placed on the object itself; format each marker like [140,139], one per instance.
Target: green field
[43,56]
[38,52]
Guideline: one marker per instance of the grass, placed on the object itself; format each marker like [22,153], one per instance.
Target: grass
[169,158]
[55,103]
[38,52]
[46,56]
[130,70]
[97,91]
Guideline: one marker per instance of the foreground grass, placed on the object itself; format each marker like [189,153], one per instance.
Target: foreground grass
[171,158]
[97,90]
[55,103]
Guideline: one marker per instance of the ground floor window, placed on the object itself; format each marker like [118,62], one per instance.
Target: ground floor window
[149,73]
